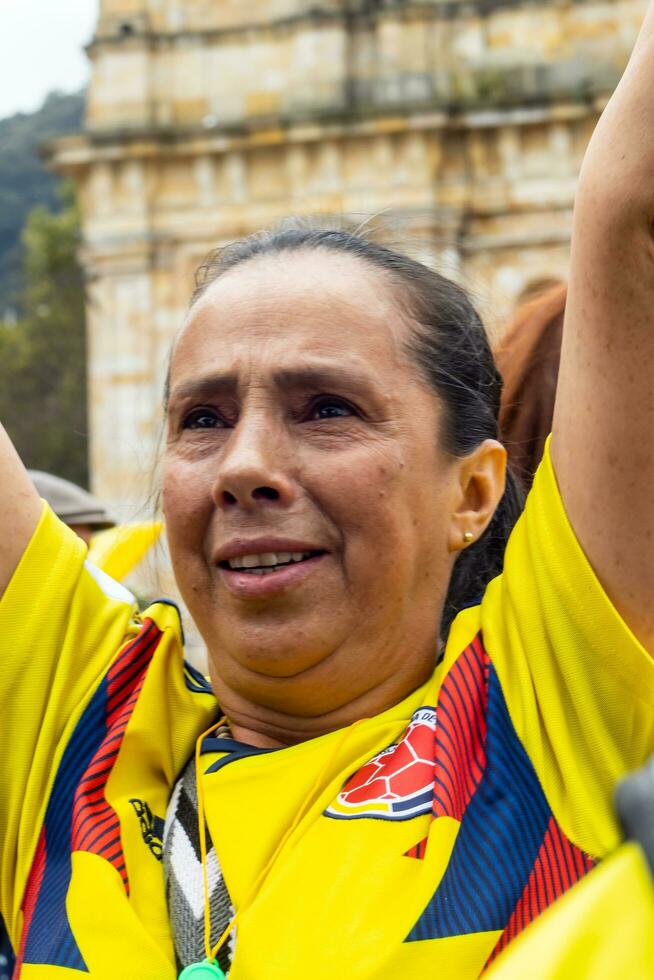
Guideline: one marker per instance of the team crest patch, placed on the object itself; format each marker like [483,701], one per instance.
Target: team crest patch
[398,783]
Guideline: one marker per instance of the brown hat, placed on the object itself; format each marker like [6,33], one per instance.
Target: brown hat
[69,502]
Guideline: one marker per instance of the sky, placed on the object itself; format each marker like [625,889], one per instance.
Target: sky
[41,49]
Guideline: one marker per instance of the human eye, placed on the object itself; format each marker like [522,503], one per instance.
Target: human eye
[202,418]
[330,407]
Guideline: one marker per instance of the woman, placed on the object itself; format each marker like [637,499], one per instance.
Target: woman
[375,804]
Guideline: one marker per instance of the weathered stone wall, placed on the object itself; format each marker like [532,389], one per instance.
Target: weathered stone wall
[464,123]
[189,63]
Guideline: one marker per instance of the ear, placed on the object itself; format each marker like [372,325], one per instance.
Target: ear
[482,477]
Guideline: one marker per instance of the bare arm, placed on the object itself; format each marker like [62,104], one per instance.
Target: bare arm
[20,509]
[603,441]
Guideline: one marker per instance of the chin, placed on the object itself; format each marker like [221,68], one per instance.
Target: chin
[279,643]
[277,659]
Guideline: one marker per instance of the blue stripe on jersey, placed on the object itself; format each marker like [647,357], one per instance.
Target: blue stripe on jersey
[195,680]
[235,750]
[498,841]
[50,940]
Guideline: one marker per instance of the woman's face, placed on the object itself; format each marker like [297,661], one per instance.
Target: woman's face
[307,502]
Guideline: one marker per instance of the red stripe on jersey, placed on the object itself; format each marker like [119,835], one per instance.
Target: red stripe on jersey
[460,736]
[461,732]
[125,672]
[418,850]
[30,898]
[95,824]
[559,865]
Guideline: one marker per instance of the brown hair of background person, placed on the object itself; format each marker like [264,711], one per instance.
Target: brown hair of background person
[528,357]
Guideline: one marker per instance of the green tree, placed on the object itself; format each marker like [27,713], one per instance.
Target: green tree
[43,355]
[25,180]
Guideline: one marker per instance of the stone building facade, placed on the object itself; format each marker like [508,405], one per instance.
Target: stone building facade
[463,121]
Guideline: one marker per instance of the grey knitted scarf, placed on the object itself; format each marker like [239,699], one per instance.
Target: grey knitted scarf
[184,880]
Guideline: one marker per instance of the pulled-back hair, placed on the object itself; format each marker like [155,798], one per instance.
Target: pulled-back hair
[450,348]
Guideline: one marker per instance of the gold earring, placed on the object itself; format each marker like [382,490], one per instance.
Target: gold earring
[468,536]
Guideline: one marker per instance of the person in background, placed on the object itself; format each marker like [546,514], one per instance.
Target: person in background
[77,508]
[528,357]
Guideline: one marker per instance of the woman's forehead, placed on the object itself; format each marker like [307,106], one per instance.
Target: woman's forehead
[294,304]
[283,281]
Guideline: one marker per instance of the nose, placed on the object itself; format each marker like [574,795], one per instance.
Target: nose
[252,472]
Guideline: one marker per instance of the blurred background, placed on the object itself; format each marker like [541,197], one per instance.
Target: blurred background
[139,134]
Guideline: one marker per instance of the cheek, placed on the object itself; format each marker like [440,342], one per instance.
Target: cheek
[394,515]
[368,501]
[186,503]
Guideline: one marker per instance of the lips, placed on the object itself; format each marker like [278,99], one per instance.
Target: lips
[261,567]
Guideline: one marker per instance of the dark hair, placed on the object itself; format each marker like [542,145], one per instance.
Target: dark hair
[451,349]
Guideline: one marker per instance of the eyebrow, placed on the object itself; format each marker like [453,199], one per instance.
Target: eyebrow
[302,376]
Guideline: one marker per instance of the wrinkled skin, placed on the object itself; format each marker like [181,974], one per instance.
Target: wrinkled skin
[296,412]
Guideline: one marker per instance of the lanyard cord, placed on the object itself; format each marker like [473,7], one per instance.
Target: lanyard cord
[311,798]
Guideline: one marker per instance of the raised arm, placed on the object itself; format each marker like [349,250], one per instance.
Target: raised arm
[603,441]
[20,509]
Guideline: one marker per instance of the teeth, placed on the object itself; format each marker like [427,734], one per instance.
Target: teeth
[258,564]
[268,559]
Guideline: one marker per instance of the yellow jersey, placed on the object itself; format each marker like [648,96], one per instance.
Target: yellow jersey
[602,928]
[439,829]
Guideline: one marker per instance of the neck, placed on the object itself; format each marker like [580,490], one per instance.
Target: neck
[263,725]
